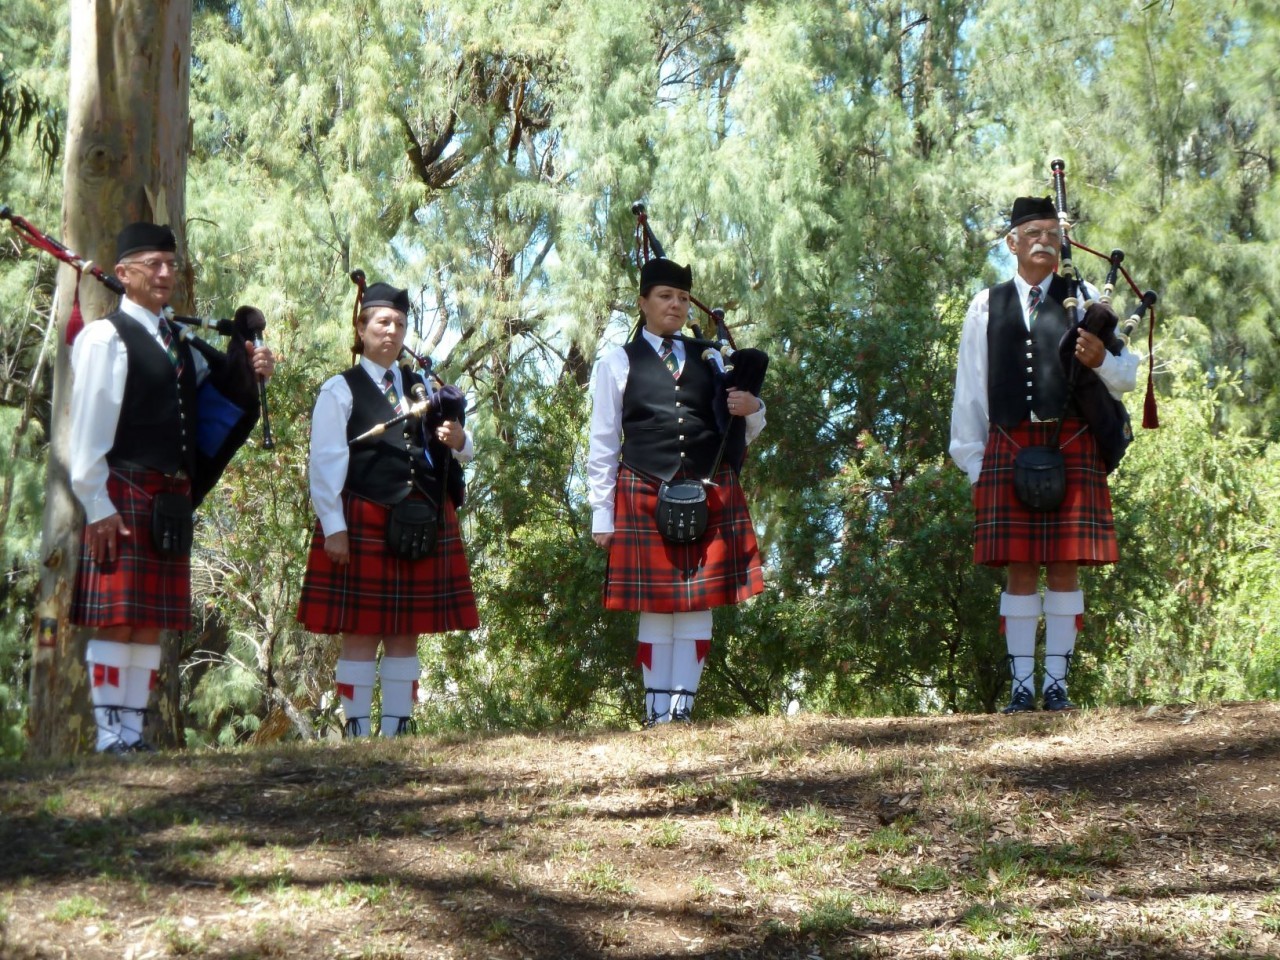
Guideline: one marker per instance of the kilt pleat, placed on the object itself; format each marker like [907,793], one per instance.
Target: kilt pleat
[1082,530]
[647,573]
[378,594]
[140,588]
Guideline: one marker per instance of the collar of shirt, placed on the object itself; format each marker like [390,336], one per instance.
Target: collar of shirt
[378,373]
[1024,292]
[141,314]
[655,341]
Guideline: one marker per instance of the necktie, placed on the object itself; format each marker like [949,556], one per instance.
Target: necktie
[667,353]
[389,389]
[166,338]
[1033,304]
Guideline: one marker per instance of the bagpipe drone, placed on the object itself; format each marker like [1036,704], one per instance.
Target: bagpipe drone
[232,397]
[1106,416]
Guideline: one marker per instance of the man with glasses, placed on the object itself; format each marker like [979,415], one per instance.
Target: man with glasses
[1012,391]
[136,447]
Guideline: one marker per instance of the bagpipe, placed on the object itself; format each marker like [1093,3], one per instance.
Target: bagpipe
[730,367]
[434,402]
[231,399]
[1107,417]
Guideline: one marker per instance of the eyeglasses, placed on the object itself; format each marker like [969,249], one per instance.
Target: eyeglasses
[155,265]
[1035,236]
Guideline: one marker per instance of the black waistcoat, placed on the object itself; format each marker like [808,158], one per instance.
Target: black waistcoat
[668,425]
[1024,372]
[385,469]
[158,416]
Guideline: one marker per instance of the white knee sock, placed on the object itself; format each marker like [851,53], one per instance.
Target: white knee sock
[692,634]
[139,679]
[654,656]
[1062,613]
[1020,615]
[355,690]
[399,678]
[108,662]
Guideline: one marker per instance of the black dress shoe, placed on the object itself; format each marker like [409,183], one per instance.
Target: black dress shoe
[1055,699]
[117,747]
[1022,701]
[142,747]
[682,716]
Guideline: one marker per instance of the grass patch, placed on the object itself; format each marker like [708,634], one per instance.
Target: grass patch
[666,835]
[78,907]
[830,914]
[748,823]
[927,878]
[602,878]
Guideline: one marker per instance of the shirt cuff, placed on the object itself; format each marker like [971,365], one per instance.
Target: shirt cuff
[99,508]
[332,523]
[602,520]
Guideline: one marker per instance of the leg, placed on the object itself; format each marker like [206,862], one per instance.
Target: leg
[1019,619]
[398,673]
[108,660]
[654,657]
[1063,612]
[140,680]
[692,636]
[355,675]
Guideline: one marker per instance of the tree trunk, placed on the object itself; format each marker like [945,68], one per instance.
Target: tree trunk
[126,159]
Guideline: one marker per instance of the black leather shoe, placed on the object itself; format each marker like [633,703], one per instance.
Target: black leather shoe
[1055,699]
[117,747]
[682,716]
[142,747]
[1022,701]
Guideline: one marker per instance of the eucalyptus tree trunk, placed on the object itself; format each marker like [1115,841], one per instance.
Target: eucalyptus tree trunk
[126,159]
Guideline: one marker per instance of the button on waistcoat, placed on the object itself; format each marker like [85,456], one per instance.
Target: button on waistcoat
[157,422]
[668,426]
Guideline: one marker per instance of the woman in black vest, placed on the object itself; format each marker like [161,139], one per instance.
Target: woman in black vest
[653,420]
[366,576]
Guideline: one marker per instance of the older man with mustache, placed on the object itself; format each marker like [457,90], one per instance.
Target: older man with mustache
[1012,391]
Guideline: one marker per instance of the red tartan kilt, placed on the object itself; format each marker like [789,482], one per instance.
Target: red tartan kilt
[140,588]
[1081,531]
[377,594]
[647,573]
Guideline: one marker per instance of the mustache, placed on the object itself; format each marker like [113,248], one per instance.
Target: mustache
[1043,248]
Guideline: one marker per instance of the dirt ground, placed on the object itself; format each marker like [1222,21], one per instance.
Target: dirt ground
[1106,833]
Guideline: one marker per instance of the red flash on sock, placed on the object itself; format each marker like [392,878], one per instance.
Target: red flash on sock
[1079,622]
[1002,626]
[644,655]
[702,648]
[151,680]
[347,691]
[414,692]
[102,674]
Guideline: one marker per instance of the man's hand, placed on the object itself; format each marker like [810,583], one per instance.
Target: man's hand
[602,539]
[101,537]
[1090,350]
[451,434]
[337,547]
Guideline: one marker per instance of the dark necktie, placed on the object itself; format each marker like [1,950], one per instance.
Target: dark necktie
[1033,305]
[389,389]
[171,348]
[668,355]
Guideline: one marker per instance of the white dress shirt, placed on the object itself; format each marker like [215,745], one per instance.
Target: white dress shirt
[329,457]
[611,375]
[969,419]
[99,366]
